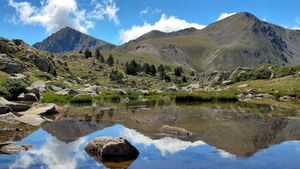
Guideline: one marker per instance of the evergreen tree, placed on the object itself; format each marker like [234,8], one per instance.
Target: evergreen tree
[87,53]
[110,60]
[177,72]
[99,56]
[161,71]
[152,70]
[183,79]
[167,78]
[132,68]
[146,68]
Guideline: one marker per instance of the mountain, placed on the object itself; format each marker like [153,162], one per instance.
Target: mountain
[68,39]
[241,40]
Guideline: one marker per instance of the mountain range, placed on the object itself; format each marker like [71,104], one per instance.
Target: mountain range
[241,40]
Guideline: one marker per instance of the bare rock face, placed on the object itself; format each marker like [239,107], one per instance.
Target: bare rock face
[110,149]
[175,131]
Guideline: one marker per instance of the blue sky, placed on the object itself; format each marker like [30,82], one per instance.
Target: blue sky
[118,21]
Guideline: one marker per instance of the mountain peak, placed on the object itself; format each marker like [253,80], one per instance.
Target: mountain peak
[68,39]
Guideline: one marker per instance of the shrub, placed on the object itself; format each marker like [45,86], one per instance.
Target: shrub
[110,60]
[284,71]
[116,76]
[11,89]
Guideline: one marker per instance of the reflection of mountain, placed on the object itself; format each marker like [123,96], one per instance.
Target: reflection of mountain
[71,130]
[15,132]
[238,129]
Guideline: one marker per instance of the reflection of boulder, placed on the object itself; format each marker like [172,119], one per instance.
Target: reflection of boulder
[112,151]
[71,130]
[12,148]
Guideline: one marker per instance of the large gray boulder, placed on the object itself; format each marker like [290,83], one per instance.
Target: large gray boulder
[30,97]
[111,149]
[44,64]
[40,85]
[11,66]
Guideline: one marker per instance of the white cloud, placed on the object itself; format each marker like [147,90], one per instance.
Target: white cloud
[54,15]
[145,11]
[54,154]
[165,24]
[225,15]
[165,145]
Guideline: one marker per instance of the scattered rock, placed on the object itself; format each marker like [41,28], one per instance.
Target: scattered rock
[11,66]
[111,149]
[14,106]
[4,109]
[41,109]
[243,86]
[176,131]
[13,148]
[287,98]
[44,64]
[40,85]
[67,92]
[123,92]
[252,91]
[227,82]
[31,97]
[172,88]
[54,88]
[90,90]
[36,91]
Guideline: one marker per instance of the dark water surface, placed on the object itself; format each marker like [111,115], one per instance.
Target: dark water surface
[225,136]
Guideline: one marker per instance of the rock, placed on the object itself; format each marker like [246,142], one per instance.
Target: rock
[111,149]
[191,87]
[176,131]
[287,98]
[41,109]
[11,66]
[40,85]
[44,64]
[36,91]
[14,106]
[55,88]
[123,92]
[172,88]
[13,148]
[31,119]
[4,109]
[18,76]
[243,86]
[263,95]
[31,97]
[91,90]
[211,78]
[67,92]
[252,91]
[227,82]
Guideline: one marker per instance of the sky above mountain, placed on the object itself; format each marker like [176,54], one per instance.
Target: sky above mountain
[118,21]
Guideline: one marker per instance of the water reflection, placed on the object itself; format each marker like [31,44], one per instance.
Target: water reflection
[224,136]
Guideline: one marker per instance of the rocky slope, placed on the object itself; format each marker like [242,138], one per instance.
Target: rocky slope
[68,39]
[239,40]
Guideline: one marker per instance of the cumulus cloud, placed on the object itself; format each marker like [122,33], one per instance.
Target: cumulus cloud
[54,154]
[165,145]
[225,15]
[54,15]
[165,24]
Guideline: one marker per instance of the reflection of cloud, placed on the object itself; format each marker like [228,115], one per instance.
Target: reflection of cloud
[164,145]
[54,154]
[225,154]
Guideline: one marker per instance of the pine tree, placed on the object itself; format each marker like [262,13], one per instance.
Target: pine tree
[87,53]
[152,70]
[110,60]
[183,79]
[99,56]
[177,71]
[161,71]
[146,68]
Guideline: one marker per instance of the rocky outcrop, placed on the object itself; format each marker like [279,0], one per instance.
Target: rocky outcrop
[14,106]
[44,64]
[10,66]
[211,78]
[110,149]
[175,131]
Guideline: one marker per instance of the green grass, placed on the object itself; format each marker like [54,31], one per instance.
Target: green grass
[55,98]
[82,99]
[228,95]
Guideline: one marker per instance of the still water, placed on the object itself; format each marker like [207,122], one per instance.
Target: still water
[231,135]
